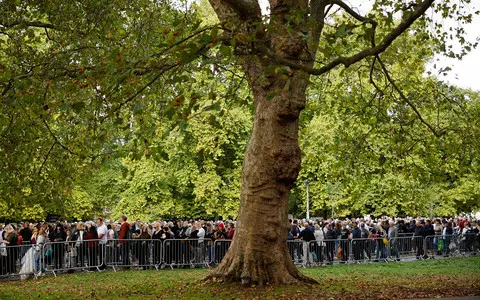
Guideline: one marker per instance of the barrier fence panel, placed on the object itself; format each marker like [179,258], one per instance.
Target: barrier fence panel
[220,249]
[295,248]
[369,249]
[330,251]
[405,245]
[68,256]
[468,243]
[317,249]
[10,260]
[363,250]
[139,253]
[90,255]
[186,252]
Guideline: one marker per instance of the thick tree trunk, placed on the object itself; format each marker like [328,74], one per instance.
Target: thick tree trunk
[259,253]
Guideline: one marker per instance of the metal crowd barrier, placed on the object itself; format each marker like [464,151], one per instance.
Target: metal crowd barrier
[91,255]
[141,253]
[10,260]
[68,256]
[405,247]
[452,245]
[186,252]
[220,248]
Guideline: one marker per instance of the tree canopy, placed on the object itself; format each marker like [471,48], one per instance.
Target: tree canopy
[118,107]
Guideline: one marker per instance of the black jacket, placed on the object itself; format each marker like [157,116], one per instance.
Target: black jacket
[356,233]
[330,235]
[307,235]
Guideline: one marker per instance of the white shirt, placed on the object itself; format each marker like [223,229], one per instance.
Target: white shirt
[102,230]
[201,235]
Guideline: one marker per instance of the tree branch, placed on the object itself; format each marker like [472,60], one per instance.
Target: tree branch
[56,138]
[353,13]
[132,97]
[404,98]
[46,157]
[374,50]
[317,13]
[29,24]
[245,8]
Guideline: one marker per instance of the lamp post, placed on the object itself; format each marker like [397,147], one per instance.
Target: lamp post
[307,182]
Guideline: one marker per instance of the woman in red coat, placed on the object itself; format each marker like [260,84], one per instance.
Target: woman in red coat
[92,248]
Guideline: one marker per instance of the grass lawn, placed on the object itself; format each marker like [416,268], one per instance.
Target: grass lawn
[418,279]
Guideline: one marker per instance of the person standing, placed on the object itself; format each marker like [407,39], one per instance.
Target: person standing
[11,242]
[92,247]
[447,237]
[230,230]
[429,231]
[122,240]
[59,237]
[78,237]
[392,238]
[330,238]
[344,242]
[356,242]
[307,236]
[3,252]
[198,237]
[418,237]
[26,234]
[102,232]
[38,265]
[319,237]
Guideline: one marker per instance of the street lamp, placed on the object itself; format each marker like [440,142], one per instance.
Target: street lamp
[307,182]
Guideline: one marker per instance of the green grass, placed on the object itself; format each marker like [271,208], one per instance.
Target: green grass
[431,278]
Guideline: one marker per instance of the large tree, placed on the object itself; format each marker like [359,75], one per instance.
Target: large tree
[279,53]
[81,78]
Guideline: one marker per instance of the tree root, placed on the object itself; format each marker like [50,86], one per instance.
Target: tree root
[249,273]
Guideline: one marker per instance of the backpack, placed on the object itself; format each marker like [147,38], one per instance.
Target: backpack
[440,246]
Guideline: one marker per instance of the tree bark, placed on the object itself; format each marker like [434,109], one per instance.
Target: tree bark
[259,252]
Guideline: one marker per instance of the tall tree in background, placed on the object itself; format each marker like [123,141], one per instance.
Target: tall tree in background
[279,52]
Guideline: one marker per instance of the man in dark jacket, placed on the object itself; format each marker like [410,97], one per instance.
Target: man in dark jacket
[307,236]
[357,244]
[330,238]
[429,231]
[418,239]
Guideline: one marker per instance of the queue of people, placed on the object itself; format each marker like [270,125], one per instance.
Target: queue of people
[29,248]
[379,239]
[91,245]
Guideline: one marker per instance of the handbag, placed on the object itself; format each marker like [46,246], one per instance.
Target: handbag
[49,252]
[385,241]
[452,246]
[440,246]
[339,252]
